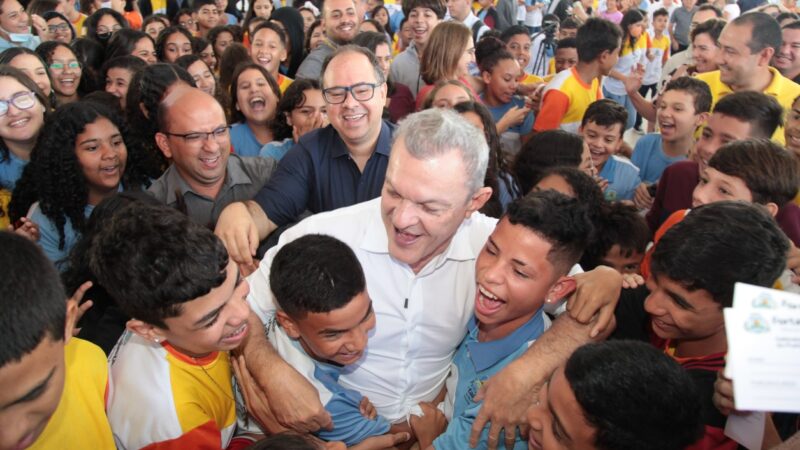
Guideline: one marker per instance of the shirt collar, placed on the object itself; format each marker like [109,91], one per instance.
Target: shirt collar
[383,145]
[486,354]
[234,174]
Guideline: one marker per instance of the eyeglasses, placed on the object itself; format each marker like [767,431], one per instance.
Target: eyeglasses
[360,91]
[60,66]
[197,138]
[106,30]
[58,27]
[186,23]
[20,100]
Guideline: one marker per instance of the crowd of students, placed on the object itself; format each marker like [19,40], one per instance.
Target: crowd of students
[350,223]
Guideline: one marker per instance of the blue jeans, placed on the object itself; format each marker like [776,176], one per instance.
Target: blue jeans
[626,102]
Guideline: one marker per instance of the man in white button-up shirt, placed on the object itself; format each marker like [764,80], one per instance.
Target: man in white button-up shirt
[417,244]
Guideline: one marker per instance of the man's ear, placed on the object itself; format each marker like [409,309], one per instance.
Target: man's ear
[562,288]
[772,208]
[72,317]
[288,324]
[145,331]
[478,199]
[162,141]
[765,56]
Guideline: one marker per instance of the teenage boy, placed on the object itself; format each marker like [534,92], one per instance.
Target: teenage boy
[525,261]
[52,386]
[188,308]
[569,93]
[322,326]
[740,115]
[423,15]
[621,238]
[207,15]
[682,108]
[689,286]
[611,396]
[602,128]
[565,57]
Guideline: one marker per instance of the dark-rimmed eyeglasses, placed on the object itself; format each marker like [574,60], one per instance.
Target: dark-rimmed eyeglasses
[360,91]
[198,137]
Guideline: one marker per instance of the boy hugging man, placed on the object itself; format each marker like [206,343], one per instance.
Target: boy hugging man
[525,262]
[171,372]
[52,385]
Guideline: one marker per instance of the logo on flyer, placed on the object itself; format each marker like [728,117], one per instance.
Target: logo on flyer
[764,300]
[756,324]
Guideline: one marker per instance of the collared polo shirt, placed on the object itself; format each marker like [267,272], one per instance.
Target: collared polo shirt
[243,178]
[318,175]
[420,318]
[783,89]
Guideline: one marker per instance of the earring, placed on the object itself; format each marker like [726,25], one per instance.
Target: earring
[156,340]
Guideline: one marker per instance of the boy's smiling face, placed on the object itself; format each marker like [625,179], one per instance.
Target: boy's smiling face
[603,141]
[715,186]
[514,277]
[676,116]
[32,389]
[339,336]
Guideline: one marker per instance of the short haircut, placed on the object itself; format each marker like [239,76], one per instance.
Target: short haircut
[512,31]
[585,187]
[287,440]
[706,250]
[271,26]
[786,15]
[558,219]
[197,4]
[709,7]
[713,28]
[597,36]
[342,49]
[439,7]
[765,31]
[371,40]
[617,224]
[131,63]
[315,274]
[168,260]
[437,131]
[33,305]
[770,172]
[636,396]
[761,111]
[698,89]
[567,43]
[606,113]
[660,12]
[546,149]
[570,23]
[794,25]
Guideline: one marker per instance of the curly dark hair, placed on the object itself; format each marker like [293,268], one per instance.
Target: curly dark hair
[54,176]
[46,49]
[94,19]
[147,88]
[293,98]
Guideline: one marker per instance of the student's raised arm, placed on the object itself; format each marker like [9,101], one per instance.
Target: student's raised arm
[507,395]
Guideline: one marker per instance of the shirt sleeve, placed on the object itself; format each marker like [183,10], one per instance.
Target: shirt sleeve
[350,426]
[286,193]
[203,437]
[554,107]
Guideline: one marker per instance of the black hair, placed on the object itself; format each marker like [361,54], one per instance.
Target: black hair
[234,55]
[635,396]
[155,18]
[512,31]
[765,31]
[761,111]
[606,113]
[660,12]
[128,62]
[630,17]
[146,90]
[489,52]
[54,176]
[388,26]
[197,4]
[53,15]
[370,40]
[293,98]
[698,89]
[616,224]
[786,15]
[161,42]
[124,41]
[706,250]
[40,7]
[287,440]
[91,23]
[710,7]
[497,166]
[583,186]
[250,14]
[546,149]
[214,33]
[767,169]
[46,49]
[560,220]
[292,23]
[307,41]
[236,114]
[315,274]
[179,13]
[439,7]
[169,260]
[713,28]
[567,43]
[597,36]
[19,76]
[33,305]
[91,55]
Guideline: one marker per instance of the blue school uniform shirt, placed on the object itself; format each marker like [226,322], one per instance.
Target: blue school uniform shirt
[649,157]
[349,425]
[511,138]
[243,140]
[473,364]
[622,176]
[48,234]
[10,171]
[276,149]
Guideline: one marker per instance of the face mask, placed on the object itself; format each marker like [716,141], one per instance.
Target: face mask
[102,37]
[17,36]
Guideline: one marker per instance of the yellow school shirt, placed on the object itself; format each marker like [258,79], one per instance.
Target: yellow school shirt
[78,25]
[566,97]
[80,420]
[783,89]
[284,82]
